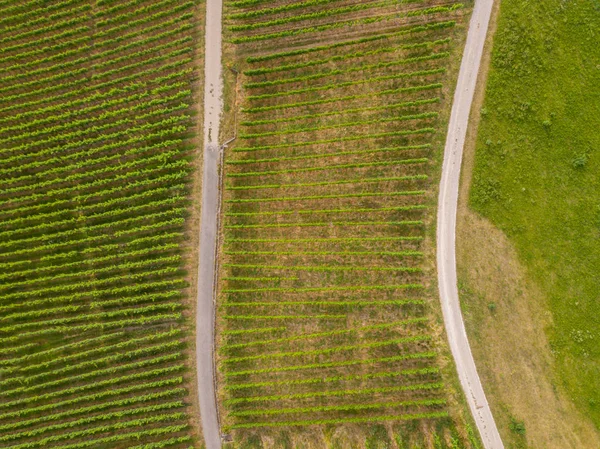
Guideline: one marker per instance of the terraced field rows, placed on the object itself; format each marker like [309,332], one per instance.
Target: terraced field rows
[95,127]
[324,308]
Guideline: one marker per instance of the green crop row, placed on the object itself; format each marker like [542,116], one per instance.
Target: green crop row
[399,302]
[258,279]
[284,317]
[326,13]
[314,422]
[321,224]
[33,62]
[412,161]
[101,349]
[130,323]
[37,44]
[46,18]
[326,183]
[313,366]
[80,92]
[133,230]
[46,50]
[327,155]
[31,11]
[273,10]
[335,58]
[252,330]
[130,37]
[133,24]
[136,300]
[92,397]
[345,23]
[56,150]
[92,419]
[318,268]
[329,288]
[384,120]
[342,393]
[162,348]
[328,239]
[49,326]
[23,359]
[318,335]
[341,85]
[322,197]
[323,211]
[411,29]
[107,428]
[344,112]
[98,373]
[427,130]
[120,256]
[97,407]
[357,68]
[54,24]
[130,14]
[343,408]
[104,441]
[399,90]
[143,42]
[103,106]
[330,350]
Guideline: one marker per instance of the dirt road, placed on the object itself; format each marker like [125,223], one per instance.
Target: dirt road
[205,310]
[446,227]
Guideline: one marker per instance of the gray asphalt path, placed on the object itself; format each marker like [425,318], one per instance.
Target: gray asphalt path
[205,310]
[446,227]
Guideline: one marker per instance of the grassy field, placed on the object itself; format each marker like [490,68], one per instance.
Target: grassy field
[536,178]
[96,131]
[326,329]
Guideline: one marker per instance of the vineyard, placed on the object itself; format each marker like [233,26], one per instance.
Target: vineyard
[327,337]
[96,131]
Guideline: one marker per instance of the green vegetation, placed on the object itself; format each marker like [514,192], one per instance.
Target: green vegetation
[537,170]
[95,150]
[324,307]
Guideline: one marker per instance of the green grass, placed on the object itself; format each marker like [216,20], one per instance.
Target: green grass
[537,170]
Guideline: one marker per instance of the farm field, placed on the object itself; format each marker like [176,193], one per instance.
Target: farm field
[96,158]
[327,313]
[535,187]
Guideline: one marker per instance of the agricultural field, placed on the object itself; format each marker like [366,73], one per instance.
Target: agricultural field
[535,187]
[96,151]
[327,309]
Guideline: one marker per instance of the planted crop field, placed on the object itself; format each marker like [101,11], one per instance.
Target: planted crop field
[95,148]
[326,331]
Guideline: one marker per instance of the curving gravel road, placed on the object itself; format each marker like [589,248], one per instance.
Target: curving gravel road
[446,226]
[205,310]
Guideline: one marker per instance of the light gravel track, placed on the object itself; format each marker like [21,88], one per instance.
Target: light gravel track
[205,310]
[446,226]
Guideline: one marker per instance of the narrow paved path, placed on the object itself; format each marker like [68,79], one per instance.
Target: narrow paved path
[205,310]
[446,226]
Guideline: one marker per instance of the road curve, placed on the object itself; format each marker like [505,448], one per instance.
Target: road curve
[205,309]
[446,226]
